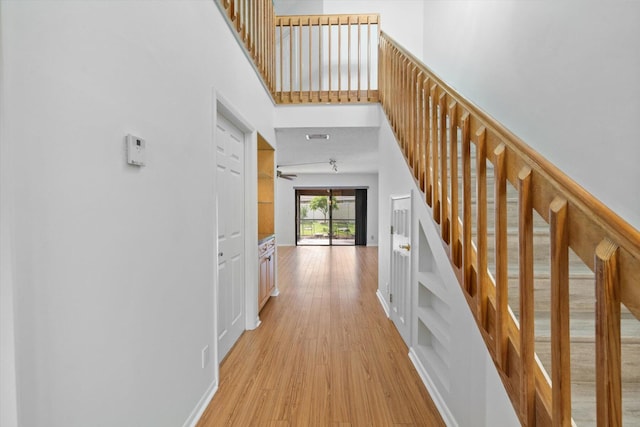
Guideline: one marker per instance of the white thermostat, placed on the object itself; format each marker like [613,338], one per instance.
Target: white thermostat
[135,150]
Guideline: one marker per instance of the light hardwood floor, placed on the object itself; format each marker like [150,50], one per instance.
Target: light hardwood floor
[325,353]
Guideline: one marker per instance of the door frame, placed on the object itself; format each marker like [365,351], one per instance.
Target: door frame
[251,321]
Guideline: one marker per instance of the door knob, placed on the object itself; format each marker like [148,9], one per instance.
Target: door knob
[406,247]
[220,254]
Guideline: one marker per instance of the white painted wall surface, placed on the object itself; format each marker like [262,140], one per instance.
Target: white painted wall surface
[562,75]
[476,396]
[114,265]
[327,115]
[285,207]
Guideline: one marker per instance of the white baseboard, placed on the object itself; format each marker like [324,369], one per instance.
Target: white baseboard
[437,398]
[197,412]
[383,302]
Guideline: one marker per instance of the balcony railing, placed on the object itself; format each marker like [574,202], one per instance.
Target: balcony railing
[327,58]
[301,59]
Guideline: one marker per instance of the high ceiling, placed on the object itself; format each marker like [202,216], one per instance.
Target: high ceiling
[354,149]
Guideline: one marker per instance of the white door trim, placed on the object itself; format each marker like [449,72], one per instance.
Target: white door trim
[221,105]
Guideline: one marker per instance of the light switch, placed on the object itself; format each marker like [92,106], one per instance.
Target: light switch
[135,150]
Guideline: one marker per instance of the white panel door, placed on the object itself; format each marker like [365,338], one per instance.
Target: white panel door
[230,181]
[400,284]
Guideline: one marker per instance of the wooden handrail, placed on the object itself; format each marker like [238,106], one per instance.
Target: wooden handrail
[602,240]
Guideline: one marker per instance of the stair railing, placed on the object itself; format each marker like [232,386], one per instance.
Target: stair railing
[327,58]
[431,121]
[301,59]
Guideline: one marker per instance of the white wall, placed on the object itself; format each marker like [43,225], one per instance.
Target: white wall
[285,206]
[113,266]
[561,75]
[475,395]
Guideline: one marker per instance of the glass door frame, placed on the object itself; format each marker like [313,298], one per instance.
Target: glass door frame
[330,193]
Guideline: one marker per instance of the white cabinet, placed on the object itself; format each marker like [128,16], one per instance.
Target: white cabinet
[266,283]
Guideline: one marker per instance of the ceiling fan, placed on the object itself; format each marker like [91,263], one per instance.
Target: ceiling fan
[291,176]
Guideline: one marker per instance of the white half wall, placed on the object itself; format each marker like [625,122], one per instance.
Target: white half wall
[113,265]
[286,197]
[473,394]
[562,75]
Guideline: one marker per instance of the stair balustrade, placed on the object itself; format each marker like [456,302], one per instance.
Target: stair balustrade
[437,130]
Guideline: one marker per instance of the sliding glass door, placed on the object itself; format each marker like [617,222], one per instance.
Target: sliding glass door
[326,217]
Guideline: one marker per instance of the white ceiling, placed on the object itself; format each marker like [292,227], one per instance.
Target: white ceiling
[354,149]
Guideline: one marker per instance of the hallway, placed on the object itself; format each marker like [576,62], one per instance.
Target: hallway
[325,353]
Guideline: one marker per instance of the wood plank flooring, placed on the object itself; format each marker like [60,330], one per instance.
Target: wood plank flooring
[325,354]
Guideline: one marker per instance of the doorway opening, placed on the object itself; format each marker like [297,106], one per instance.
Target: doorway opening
[331,217]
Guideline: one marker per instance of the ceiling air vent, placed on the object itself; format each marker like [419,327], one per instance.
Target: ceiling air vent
[317,137]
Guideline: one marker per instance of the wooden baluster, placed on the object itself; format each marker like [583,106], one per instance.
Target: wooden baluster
[398,95]
[272,43]
[260,25]
[243,13]
[527,330]
[407,115]
[247,39]
[481,211]
[339,61]
[417,77]
[281,62]
[349,60]
[502,260]
[560,339]
[608,348]
[319,60]
[453,224]
[232,11]
[290,60]
[359,53]
[256,45]
[329,61]
[421,130]
[403,105]
[369,59]
[434,157]
[444,181]
[411,121]
[427,147]
[407,109]
[392,90]
[467,269]
[300,57]
[310,56]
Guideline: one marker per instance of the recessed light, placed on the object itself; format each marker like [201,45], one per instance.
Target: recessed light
[317,137]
